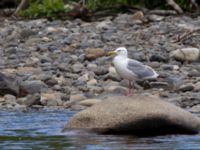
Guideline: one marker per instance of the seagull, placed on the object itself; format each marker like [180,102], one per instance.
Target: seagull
[131,69]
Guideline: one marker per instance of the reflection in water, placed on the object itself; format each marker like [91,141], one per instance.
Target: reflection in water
[42,130]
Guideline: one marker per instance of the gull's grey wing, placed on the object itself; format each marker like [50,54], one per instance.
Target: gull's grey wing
[142,71]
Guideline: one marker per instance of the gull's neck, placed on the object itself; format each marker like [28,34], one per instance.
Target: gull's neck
[122,56]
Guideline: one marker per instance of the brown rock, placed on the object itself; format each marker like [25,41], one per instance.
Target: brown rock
[139,115]
[93,53]
[138,15]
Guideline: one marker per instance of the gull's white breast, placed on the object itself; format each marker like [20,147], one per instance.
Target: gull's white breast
[120,63]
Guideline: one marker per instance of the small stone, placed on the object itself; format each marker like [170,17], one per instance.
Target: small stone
[96,89]
[170,67]
[104,25]
[174,82]
[76,68]
[154,64]
[194,73]
[158,58]
[29,100]
[10,99]
[35,86]
[92,82]
[197,87]
[51,99]
[93,53]
[100,71]
[117,89]
[159,85]
[187,87]
[91,66]
[51,29]
[195,109]
[51,82]
[84,77]
[8,85]
[89,102]
[138,15]
[186,54]
[77,97]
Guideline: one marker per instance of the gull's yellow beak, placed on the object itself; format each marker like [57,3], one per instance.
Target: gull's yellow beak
[111,53]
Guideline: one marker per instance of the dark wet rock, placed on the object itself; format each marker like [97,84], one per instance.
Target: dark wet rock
[51,82]
[170,67]
[158,58]
[138,115]
[138,56]
[185,88]
[194,73]
[8,85]
[100,70]
[163,85]
[174,82]
[35,86]
[30,100]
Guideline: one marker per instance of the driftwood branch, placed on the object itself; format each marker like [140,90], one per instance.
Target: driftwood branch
[23,5]
[193,3]
[186,35]
[175,6]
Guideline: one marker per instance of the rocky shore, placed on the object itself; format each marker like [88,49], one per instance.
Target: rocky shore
[63,64]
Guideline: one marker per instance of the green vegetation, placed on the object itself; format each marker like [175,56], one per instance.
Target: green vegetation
[51,9]
[151,4]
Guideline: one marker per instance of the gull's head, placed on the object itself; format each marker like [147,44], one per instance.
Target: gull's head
[121,51]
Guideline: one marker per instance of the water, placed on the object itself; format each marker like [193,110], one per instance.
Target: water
[36,130]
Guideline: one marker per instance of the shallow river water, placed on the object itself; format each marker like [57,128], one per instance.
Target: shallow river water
[42,130]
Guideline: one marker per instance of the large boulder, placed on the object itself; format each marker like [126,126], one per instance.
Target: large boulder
[8,85]
[139,115]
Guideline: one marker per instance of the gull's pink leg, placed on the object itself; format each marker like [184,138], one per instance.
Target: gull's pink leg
[130,89]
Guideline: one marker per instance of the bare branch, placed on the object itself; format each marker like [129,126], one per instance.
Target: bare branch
[23,5]
[175,6]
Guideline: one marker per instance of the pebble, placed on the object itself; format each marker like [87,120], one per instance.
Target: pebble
[93,53]
[51,99]
[187,87]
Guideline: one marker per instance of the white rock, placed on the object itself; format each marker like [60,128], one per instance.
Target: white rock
[84,77]
[186,54]
[195,109]
[51,29]
[77,97]
[104,24]
[92,82]
[10,99]
[51,99]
